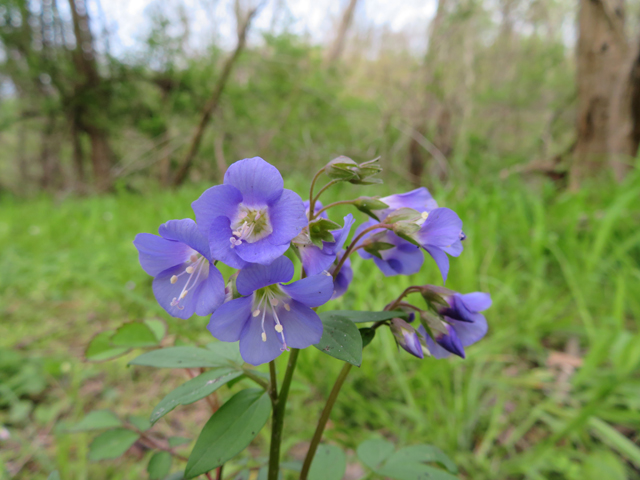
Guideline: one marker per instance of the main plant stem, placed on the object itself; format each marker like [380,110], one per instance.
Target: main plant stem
[279,406]
[324,417]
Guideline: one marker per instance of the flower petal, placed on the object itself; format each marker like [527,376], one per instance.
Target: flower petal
[253,350]
[314,260]
[340,236]
[442,261]
[165,291]
[256,276]
[343,279]
[302,326]
[318,206]
[441,228]
[287,217]
[186,231]
[476,301]
[436,350]
[157,254]
[419,199]
[218,201]
[210,293]
[228,321]
[219,235]
[311,291]
[470,332]
[262,251]
[259,182]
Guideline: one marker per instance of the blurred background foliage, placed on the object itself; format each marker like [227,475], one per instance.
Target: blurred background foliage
[521,115]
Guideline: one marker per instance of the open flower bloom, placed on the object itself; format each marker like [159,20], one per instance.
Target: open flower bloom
[316,260]
[251,218]
[463,324]
[404,258]
[185,282]
[441,234]
[343,279]
[271,317]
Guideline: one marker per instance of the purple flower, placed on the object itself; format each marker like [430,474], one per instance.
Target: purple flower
[419,199]
[344,277]
[404,258]
[407,337]
[440,234]
[185,282]
[271,317]
[463,324]
[316,260]
[318,206]
[251,218]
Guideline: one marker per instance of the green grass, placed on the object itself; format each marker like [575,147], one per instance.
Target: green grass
[563,271]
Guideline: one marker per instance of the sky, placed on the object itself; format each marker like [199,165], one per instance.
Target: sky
[127,20]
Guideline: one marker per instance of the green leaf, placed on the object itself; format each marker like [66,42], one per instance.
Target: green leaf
[340,339]
[54,475]
[134,334]
[140,423]
[367,335]
[159,465]
[100,348]
[363,317]
[180,357]
[373,452]
[111,444]
[229,431]
[423,454]
[227,351]
[194,390]
[329,463]
[158,327]
[96,420]
[175,476]
[177,441]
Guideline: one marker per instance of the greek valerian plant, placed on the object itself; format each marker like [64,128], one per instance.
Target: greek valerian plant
[257,227]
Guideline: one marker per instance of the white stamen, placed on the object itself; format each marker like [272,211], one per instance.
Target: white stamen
[287,307]
[279,328]
[256,313]
[184,294]
[424,215]
[189,270]
[193,258]
[174,279]
[274,301]
[264,337]
[242,215]
[258,216]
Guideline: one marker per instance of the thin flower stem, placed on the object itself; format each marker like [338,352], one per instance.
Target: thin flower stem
[249,374]
[155,444]
[208,475]
[312,202]
[334,204]
[353,246]
[324,417]
[219,472]
[322,190]
[278,416]
[273,384]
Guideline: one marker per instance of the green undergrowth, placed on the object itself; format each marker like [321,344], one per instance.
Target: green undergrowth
[553,392]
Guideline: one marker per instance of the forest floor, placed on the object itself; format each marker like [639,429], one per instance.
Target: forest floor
[552,392]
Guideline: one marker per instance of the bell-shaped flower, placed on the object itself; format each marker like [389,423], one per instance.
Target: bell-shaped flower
[185,281]
[343,279]
[462,324]
[316,260]
[271,316]
[440,234]
[251,218]
[408,338]
[403,258]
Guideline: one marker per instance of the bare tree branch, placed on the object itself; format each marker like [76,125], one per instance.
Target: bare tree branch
[212,104]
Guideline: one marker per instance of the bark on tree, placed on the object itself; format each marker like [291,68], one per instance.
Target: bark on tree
[212,104]
[601,52]
[337,47]
[91,89]
[624,123]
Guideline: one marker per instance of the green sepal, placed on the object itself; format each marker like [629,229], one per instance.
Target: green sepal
[376,247]
[368,205]
[320,230]
[403,215]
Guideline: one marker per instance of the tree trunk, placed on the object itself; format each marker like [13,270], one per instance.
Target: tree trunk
[624,123]
[600,56]
[338,43]
[78,156]
[101,156]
